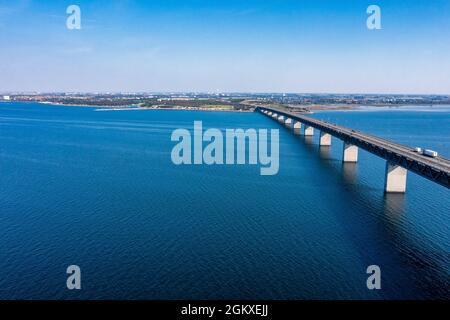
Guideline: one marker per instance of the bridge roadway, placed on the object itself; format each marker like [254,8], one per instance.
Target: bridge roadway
[397,155]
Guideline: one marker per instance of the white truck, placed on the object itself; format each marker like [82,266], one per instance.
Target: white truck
[430,153]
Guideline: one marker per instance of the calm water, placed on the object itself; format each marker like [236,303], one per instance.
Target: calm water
[98,189]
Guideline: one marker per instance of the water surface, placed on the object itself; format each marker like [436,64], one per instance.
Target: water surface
[98,189]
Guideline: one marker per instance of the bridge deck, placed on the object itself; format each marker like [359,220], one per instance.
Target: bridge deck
[435,169]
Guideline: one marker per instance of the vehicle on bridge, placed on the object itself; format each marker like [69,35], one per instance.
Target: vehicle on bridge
[430,153]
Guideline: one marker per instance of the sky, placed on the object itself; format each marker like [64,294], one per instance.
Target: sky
[296,46]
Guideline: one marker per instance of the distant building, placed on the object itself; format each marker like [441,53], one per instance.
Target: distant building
[6,98]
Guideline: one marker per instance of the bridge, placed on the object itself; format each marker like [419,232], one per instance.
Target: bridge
[399,158]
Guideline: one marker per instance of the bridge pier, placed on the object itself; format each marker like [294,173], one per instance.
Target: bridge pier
[309,131]
[325,139]
[269,113]
[274,115]
[288,122]
[350,153]
[298,127]
[395,180]
[281,119]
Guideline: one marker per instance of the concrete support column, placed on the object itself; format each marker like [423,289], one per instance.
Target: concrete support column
[281,119]
[395,178]
[288,122]
[325,139]
[309,131]
[350,153]
[298,127]
[269,113]
[274,115]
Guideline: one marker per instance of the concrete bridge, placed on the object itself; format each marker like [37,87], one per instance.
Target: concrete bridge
[399,158]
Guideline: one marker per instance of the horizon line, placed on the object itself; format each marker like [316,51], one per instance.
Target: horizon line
[220,92]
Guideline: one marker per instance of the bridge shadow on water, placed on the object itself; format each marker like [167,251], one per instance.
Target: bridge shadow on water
[382,228]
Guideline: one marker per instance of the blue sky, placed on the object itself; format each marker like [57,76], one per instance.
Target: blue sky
[229,46]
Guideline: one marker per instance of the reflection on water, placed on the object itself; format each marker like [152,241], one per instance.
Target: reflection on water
[394,205]
[325,152]
[308,139]
[350,172]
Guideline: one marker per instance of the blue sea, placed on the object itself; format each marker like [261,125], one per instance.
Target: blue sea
[99,190]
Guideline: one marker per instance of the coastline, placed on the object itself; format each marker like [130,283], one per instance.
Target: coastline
[304,109]
[138,108]
[173,109]
[417,108]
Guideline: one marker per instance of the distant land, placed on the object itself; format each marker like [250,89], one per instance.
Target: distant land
[228,101]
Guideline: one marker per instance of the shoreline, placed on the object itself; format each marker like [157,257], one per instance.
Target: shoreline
[135,107]
[417,108]
[304,109]
[172,109]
